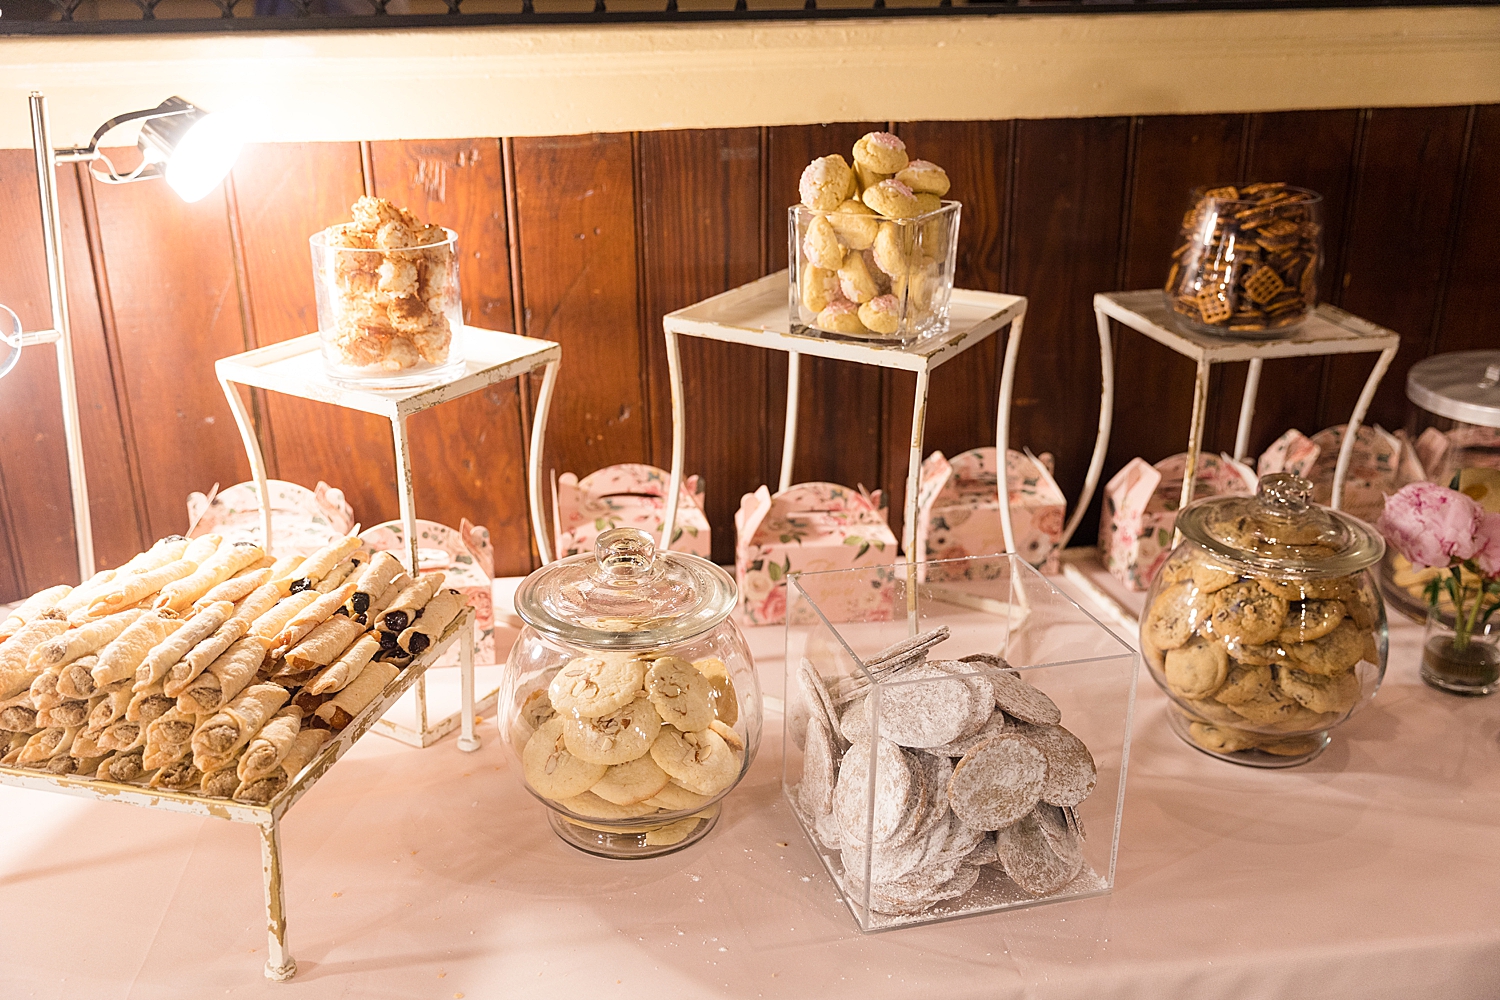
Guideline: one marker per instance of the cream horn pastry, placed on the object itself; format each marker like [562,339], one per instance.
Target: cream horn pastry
[76,679]
[165,655]
[18,719]
[236,588]
[341,709]
[340,574]
[314,614]
[202,548]
[265,752]
[85,639]
[284,571]
[43,690]
[47,744]
[321,562]
[31,607]
[118,659]
[121,735]
[110,708]
[269,625]
[224,678]
[86,745]
[80,596]
[65,713]
[439,613]
[304,748]
[179,595]
[148,703]
[373,581]
[126,765]
[177,775]
[323,644]
[342,672]
[170,735]
[234,725]
[132,590]
[16,671]
[409,603]
[220,782]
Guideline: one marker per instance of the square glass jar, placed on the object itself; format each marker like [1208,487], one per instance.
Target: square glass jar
[865,277]
[896,796]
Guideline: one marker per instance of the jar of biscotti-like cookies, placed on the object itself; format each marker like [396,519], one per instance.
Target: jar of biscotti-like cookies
[630,699]
[1265,626]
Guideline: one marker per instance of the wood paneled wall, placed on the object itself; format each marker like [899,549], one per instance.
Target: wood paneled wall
[588,240]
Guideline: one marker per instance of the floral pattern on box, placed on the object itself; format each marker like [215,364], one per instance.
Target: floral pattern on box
[1140,510]
[302,520]
[1380,464]
[809,528]
[467,562]
[958,511]
[629,495]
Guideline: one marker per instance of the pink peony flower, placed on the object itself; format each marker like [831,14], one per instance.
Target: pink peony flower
[773,609]
[1431,525]
[1487,554]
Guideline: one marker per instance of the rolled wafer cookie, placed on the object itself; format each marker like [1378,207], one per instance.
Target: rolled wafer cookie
[232,727]
[269,747]
[437,615]
[202,548]
[372,581]
[80,595]
[401,611]
[134,589]
[124,653]
[31,607]
[90,638]
[224,678]
[165,550]
[166,654]
[305,747]
[269,624]
[341,709]
[318,611]
[223,564]
[321,562]
[16,670]
[342,672]
[323,644]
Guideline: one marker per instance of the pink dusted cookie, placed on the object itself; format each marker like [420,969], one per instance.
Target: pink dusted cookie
[881,152]
[825,183]
[924,177]
[841,317]
[855,280]
[881,314]
[818,286]
[821,245]
[893,248]
[928,203]
[892,199]
[855,224]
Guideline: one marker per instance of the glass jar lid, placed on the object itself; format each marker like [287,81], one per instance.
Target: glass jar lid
[626,595]
[1463,385]
[1280,530]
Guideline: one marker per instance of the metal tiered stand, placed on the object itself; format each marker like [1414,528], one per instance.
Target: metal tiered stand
[1328,331]
[756,314]
[295,368]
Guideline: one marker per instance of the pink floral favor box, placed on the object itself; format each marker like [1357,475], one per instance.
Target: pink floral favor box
[628,495]
[302,520]
[467,562]
[1140,510]
[809,528]
[1380,464]
[958,510]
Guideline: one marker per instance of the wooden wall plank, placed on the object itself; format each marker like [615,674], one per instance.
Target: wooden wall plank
[469,455]
[1471,303]
[576,237]
[839,415]
[1400,227]
[699,222]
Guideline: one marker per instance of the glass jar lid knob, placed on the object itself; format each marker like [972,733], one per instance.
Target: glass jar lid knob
[624,557]
[1284,493]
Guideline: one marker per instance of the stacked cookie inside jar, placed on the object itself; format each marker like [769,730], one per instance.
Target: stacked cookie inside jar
[872,244]
[940,785]
[1265,627]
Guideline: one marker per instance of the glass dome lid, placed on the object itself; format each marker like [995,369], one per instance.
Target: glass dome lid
[1280,530]
[626,595]
[1464,385]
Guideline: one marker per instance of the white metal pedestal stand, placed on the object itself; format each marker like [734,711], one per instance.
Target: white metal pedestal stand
[1328,331]
[295,368]
[756,314]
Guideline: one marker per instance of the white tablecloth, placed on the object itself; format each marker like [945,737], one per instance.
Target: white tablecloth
[1370,873]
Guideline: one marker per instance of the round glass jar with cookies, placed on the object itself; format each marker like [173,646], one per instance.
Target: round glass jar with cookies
[1265,626]
[630,699]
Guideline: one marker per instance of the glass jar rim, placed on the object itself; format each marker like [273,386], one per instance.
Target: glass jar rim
[1305,196]
[319,239]
[944,205]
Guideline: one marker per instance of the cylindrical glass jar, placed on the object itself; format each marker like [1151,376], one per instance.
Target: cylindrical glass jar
[1264,627]
[862,276]
[1247,260]
[389,318]
[630,699]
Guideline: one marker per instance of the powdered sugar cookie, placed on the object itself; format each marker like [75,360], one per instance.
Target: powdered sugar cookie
[993,726]
[815,791]
[1198,669]
[1071,773]
[622,735]
[551,769]
[825,183]
[821,244]
[1023,701]
[906,651]
[1030,860]
[893,788]
[815,694]
[891,199]
[631,782]
[591,686]
[856,224]
[856,721]
[881,314]
[680,694]
[924,177]
[840,317]
[927,708]
[817,286]
[855,280]
[881,152]
[700,762]
[997,782]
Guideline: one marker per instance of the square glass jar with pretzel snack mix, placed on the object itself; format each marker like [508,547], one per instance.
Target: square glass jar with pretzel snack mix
[389,311]
[872,245]
[960,750]
[1247,260]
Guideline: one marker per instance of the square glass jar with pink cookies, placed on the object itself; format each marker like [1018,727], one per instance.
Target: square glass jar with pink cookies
[872,245]
[961,750]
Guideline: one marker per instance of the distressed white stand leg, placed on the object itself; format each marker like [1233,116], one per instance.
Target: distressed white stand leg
[467,741]
[252,452]
[1247,409]
[674,484]
[534,470]
[1106,422]
[1361,407]
[913,482]
[409,529]
[280,965]
[1002,427]
[1195,438]
[789,437]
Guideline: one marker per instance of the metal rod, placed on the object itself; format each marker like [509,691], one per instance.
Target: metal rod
[913,482]
[1106,421]
[1002,428]
[534,470]
[280,965]
[674,483]
[251,441]
[1361,406]
[57,290]
[1195,439]
[403,491]
[1247,409]
[789,437]
[467,741]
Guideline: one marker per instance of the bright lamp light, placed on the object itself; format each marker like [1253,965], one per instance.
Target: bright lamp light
[192,148]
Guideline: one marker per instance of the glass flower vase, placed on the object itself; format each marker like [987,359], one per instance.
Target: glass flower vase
[1468,667]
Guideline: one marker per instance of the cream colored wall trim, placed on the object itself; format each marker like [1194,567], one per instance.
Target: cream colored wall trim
[554,81]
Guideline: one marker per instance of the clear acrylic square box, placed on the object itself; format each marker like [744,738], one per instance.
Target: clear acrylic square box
[884,814]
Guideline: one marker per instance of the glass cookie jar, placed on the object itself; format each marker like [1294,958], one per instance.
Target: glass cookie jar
[1265,627]
[630,699]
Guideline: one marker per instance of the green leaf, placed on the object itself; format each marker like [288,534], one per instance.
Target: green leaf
[676,534]
[853,540]
[862,550]
[775,572]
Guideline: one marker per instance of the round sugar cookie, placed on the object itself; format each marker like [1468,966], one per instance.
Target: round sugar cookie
[591,686]
[700,762]
[821,245]
[824,183]
[855,224]
[840,317]
[622,735]
[855,280]
[998,782]
[924,177]
[720,689]
[673,797]
[891,199]
[680,694]
[631,782]
[551,769]
[881,151]
[590,805]
[882,315]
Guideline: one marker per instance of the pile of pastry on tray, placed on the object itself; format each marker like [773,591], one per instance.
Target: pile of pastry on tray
[205,666]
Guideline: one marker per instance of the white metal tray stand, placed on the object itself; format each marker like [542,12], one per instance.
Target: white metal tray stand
[280,965]
[756,314]
[295,368]
[1328,331]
